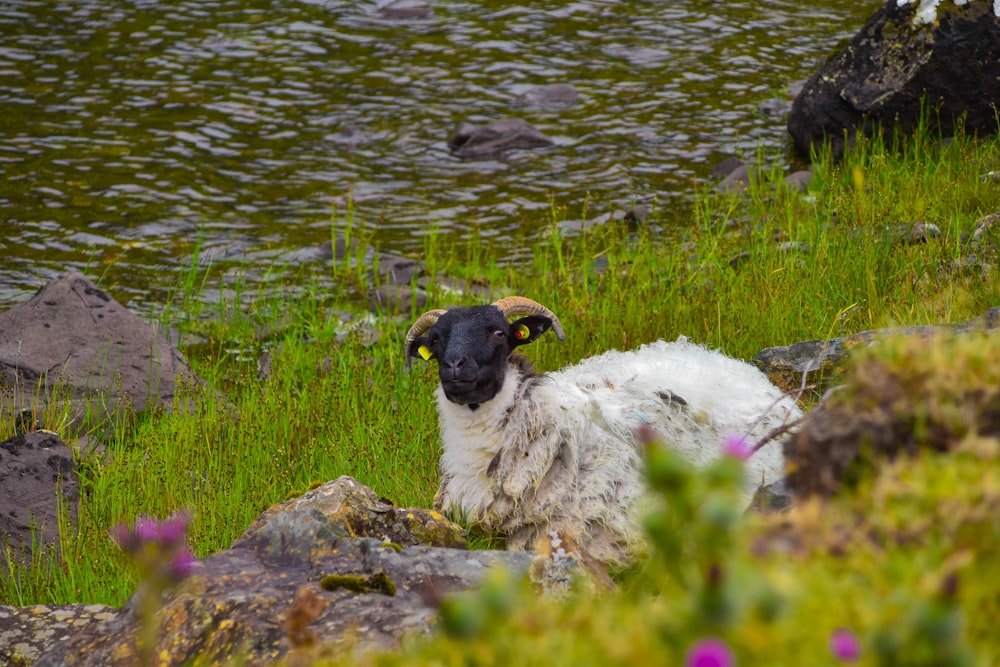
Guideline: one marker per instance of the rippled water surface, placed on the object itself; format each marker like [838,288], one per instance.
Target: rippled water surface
[127,126]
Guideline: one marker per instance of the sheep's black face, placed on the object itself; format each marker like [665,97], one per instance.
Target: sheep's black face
[472,346]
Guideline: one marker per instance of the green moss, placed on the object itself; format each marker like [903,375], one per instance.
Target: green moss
[378,582]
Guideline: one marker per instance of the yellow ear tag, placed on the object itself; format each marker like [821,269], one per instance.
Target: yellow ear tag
[522,332]
[424,352]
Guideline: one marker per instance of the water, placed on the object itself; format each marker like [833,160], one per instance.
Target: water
[126,126]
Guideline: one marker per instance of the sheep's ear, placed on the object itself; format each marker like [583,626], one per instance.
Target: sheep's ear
[418,348]
[529,329]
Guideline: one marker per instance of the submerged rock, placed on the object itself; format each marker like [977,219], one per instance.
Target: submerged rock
[480,141]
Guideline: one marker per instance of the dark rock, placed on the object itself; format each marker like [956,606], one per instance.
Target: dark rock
[898,58]
[72,338]
[480,141]
[247,601]
[736,180]
[406,9]
[398,270]
[775,107]
[770,498]
[913,233]
[38,483]
[726,167]
[556,94]
[823,362]
[397,299]
[637,215]
[799,180]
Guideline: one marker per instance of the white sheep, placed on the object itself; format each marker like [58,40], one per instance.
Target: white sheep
[526,453]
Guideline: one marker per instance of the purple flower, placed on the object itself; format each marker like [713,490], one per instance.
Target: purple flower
[159,548]
[183,563]
[147,529]
[173,530]
[844,645]
[738,447]
[710,653]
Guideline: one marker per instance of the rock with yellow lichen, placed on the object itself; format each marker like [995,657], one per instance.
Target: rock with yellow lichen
[336,567]
[361,513]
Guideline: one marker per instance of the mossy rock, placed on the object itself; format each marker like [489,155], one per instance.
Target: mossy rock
[899,397]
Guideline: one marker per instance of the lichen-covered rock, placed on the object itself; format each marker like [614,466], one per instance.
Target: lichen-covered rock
[28,632]
[905,395]
[946,51]
[358,512]
[296,577]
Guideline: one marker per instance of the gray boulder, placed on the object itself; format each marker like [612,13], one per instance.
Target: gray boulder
[73,340]
[948,52]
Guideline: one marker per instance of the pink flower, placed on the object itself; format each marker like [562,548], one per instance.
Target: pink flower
[844,645]
[183,563]
[159,548]
[738,447]
[147,529]
[710,653]
[173,530]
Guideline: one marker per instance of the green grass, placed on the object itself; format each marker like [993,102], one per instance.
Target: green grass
[336,402]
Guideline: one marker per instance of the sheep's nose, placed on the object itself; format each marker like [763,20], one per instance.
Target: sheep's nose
[452,368]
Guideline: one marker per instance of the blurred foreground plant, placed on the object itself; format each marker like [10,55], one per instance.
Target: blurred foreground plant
[160,551]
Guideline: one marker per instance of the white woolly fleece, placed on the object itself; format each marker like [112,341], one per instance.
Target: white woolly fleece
[559,451]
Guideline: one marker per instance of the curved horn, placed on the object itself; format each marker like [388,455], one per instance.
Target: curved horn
[423,323]
[519,305]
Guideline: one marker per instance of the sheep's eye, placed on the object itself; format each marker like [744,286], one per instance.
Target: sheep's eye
[500,333]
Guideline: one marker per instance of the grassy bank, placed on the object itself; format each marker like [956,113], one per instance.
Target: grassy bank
[767,267]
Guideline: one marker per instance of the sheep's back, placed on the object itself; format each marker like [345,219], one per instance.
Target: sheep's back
[690,396]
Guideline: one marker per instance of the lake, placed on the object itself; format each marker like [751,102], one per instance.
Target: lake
[132,132]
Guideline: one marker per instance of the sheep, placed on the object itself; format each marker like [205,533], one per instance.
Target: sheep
[525,453]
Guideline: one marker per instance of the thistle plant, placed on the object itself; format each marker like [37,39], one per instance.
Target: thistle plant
[161,554]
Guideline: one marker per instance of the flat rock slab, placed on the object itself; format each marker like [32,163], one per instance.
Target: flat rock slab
[73,339]
[822,362]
